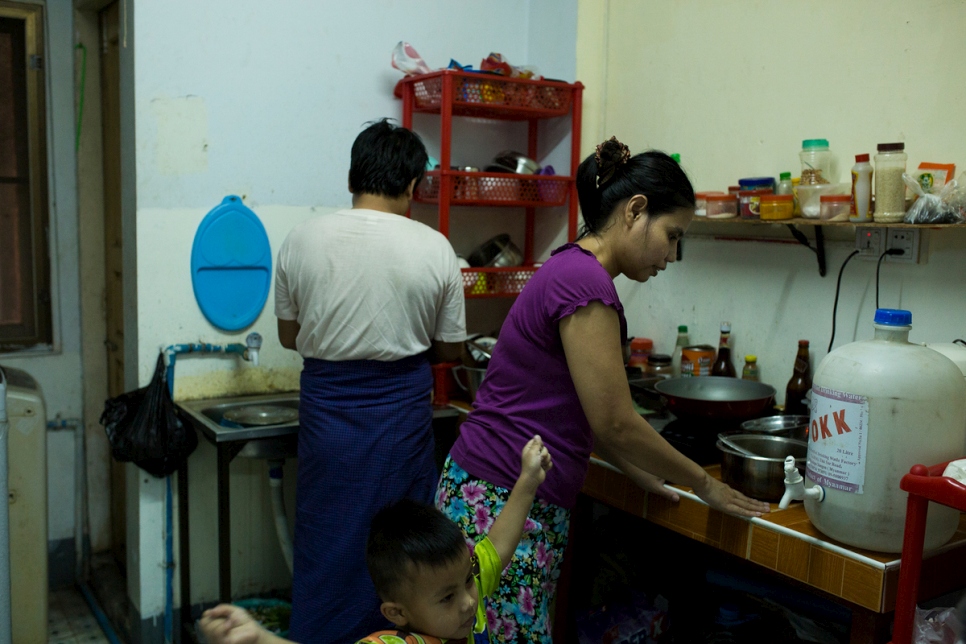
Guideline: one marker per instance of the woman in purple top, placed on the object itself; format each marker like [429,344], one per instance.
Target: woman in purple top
[558,371]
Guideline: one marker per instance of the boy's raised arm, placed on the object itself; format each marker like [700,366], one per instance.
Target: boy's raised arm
[508,527]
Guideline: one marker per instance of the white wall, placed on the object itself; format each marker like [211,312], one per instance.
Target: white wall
[264,101]
[735,87]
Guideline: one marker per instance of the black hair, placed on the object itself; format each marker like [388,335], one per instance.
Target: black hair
[385,160]
[407,533]
[602,185]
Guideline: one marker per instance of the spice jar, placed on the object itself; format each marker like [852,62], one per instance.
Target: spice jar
[659,365]
[700,202]
[640,350]
[816,161]
[750,370]
[722,206]
[749,203]
[834,207]
[777,207]
[890,191]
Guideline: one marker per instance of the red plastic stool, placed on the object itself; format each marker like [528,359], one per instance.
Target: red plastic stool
[923,485]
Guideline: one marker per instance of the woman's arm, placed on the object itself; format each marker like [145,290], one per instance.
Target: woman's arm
[643,480]
[591,341]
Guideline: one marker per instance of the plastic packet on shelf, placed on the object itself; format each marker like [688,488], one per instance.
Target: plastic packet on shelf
[407,60]
[933,209]
[497,64]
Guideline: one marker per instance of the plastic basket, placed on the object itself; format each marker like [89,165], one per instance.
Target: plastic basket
[496,282]
[483,90]
[483,188]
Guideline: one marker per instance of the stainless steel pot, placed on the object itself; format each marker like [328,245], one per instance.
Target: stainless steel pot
[496,252]
[786,426]
[763,476]
[510,161]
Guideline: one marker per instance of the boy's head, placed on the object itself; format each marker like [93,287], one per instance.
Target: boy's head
[421,567]
[387,161]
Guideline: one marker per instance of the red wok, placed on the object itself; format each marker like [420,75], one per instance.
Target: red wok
[715,397]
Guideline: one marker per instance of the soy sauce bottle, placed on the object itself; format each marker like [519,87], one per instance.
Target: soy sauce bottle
[796,392]
[723,366]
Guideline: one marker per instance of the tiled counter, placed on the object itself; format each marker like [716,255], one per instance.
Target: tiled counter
[785,542]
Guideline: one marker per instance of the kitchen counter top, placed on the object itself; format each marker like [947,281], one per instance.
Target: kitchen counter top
[211,428]
[785,542]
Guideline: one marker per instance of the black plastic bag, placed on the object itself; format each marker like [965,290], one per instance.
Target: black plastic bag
[145,427]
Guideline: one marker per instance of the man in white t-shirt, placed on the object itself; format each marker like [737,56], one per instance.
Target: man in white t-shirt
[369,298]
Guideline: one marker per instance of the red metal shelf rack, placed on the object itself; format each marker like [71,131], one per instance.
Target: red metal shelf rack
[924,484]
[452,93]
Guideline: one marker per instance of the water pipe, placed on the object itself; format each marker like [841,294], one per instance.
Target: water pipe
[278,509]
[795,486]
[247,351]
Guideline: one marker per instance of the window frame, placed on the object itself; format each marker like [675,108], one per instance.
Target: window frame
[36,329]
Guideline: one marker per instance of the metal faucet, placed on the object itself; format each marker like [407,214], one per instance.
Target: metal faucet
[253,343]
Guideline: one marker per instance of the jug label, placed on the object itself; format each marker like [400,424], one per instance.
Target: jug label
[838,439]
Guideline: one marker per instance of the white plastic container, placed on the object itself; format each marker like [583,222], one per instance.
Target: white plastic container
[879,407]
[861,207]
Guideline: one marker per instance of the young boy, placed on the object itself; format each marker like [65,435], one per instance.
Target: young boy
[430,585]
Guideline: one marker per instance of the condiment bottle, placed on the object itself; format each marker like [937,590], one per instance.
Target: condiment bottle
[679,344]
[860,208]
[784,184]
[640,350]
[890,191]
[800,384]
[722,364]
[750,370]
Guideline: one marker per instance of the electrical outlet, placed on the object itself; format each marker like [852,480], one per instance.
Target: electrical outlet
[870,242]
[908,240]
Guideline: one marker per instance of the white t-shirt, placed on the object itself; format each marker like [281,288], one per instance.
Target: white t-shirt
[369,285]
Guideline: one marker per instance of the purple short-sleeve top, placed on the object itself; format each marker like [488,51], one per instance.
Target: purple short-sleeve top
[528,388]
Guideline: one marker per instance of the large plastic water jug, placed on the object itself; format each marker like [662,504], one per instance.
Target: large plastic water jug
[879,407]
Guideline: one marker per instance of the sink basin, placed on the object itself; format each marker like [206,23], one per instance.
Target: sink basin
[261,441]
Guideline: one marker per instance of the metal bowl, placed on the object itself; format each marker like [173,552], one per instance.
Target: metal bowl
[510,161]
[496,252]
[760,477]
[787,426]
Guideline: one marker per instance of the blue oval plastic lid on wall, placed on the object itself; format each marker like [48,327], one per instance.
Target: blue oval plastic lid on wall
[231,265]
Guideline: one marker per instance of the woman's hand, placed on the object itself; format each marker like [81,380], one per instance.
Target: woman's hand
[722,497]
[227,624]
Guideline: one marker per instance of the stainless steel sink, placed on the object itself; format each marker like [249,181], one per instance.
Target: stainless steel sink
[261,441]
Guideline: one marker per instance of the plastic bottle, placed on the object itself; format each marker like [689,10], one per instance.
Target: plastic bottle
[860,209]
[750,370]
[681,342]
[816,162]
[881,406]
[723,366]
[800,384]
[784,184]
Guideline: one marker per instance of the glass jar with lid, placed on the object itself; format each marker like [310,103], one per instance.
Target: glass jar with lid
[834,207]
[640,350]
[749,203]
[659,365]
[776,207]
[890,191]
[721,206]
[816,161]
[700,201]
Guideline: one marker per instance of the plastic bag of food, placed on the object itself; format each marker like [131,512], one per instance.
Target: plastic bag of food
[407,60]
[932,209]
[936,626]
[145,427]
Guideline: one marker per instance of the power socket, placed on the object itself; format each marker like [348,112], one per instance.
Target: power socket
[870,242]
[908,240]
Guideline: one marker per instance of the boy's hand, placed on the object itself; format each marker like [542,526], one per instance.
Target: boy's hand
[227,624]
[535,461]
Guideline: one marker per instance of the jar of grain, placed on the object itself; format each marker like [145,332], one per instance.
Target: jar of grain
[890,191]
[700,202]
[721,206]
[816,161]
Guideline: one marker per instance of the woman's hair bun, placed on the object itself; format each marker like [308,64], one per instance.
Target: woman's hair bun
[610,156]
